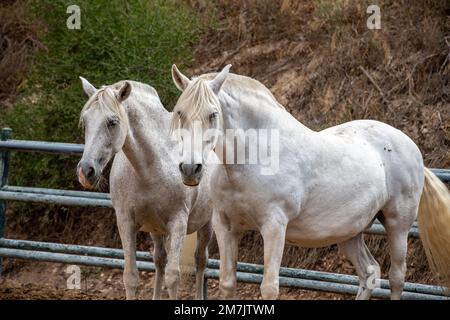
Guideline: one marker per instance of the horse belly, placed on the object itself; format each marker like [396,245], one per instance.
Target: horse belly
[320,233]
[337,215]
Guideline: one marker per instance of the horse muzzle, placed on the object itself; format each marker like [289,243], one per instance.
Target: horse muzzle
[86,175]
[191,174]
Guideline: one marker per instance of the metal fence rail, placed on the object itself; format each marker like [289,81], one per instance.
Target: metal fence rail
[110,257]
[113,258]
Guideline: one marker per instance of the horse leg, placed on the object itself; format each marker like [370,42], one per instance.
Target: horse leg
[398,244]
[359,255]
[397,226]
[160,259]
[204,236]
[227,240]
[273,234]
[176,234]
[127,232]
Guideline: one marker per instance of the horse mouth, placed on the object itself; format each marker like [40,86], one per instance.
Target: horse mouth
[191,182]
[84,182]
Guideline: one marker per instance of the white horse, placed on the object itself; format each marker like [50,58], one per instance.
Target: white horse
[330,185]
[127,121]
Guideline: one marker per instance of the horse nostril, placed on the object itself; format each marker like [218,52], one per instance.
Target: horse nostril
[90,172]
[190,169]
[198,168]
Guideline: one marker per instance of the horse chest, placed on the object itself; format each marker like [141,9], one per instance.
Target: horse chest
[240,209]
[153,212]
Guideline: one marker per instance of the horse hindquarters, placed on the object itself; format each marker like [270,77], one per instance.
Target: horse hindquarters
[398,217]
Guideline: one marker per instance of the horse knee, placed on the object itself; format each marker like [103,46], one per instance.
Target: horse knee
[269,291]
[172,277]
[201,259]
[227,287]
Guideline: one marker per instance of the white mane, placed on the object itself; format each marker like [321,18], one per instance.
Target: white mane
[198,101]
[105,98]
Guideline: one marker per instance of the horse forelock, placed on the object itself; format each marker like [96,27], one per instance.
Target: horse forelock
[196,103]
[105,100]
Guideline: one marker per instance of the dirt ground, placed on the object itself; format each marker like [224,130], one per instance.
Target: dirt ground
[47,281]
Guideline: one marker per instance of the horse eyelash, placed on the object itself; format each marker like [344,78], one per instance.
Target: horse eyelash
[213,116]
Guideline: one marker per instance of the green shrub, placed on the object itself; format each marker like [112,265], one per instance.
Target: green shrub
[118,39]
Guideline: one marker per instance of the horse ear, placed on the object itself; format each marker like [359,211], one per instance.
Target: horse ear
[88,88]
[216,83]
[124,92]
[180,80]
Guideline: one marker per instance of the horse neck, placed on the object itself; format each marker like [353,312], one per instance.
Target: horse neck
[255,112]
[145,145]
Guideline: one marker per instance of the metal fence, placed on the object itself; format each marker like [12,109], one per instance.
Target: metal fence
[113,258]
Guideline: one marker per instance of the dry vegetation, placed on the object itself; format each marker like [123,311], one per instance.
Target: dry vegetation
[18,42]
[326,67]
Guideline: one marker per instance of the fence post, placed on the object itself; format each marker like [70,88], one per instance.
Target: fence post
[6,134]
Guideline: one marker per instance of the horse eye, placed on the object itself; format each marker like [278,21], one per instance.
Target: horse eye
[213,116]
[112,122]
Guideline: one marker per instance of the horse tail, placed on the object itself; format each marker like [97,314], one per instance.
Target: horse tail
[187,259]
[434,225]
